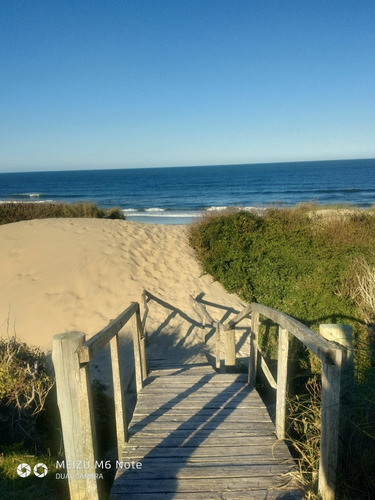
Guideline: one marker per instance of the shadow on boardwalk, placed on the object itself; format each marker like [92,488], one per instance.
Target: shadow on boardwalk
[184,333]
[200,434]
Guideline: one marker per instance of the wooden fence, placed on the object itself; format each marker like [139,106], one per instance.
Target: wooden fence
[331,355]
[71,357]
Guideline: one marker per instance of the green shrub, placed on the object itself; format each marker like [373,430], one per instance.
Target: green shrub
[15,212]
[290,259]
[317,266]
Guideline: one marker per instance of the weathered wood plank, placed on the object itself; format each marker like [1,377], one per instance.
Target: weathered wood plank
[215,381]
[253,357]
[145,313]
[200,364]
[239,317]
[164,460]
[199,435]
[267,371]
[193,419]
[198,386]
[252,405]
[199,392]
[197,405]
[317,344]
[208,378]
[330,417]
[75,405]
[187,422]
[159,471]
[177,369]
[264,494]
[267,438]
[240,414]
[220,394]
[230,349]
[282,373]
[204,428]
[193,485]
[206,400]
[205,315]
[252,414]
[118,395]
[137,356]
[250,448]
[142,344]
[96,343]
[218,346]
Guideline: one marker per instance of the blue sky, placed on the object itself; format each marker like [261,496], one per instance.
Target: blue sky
[136,83]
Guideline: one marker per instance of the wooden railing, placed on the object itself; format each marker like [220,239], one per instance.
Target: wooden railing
[71,357]
[330,354]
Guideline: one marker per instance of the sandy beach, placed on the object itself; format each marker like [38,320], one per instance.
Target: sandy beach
[61,275]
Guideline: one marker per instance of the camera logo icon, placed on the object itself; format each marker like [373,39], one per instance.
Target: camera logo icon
[40,470]
[24,470]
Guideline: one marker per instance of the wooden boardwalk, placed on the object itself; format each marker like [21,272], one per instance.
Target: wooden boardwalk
[200,434]
[197,433]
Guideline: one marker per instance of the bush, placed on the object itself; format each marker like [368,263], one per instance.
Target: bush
[318,267]
[24,386]
[290,259]
[15,212]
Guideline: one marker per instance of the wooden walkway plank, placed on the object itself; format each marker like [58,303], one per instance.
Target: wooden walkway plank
[264,494]
[214,486]
[203,435]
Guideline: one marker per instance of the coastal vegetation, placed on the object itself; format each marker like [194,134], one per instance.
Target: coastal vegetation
[27,420]
[30,424]
[15,212]
[319,267]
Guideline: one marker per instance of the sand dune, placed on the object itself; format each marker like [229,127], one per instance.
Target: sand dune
[60,275]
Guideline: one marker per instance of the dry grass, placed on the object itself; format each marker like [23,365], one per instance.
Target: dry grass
[24,387]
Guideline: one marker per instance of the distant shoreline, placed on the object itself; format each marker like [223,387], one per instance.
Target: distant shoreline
[161,216]
[155,194]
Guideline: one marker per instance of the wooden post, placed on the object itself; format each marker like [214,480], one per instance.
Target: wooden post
[145,314]
[75,405]
[119,397]
[204,328]
[218,346]
[137,357]
[230,350]
[253,358]
[330,416]
[142,342]
[343,335]
[282,373]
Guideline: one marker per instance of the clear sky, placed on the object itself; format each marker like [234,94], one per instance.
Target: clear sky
[135,83]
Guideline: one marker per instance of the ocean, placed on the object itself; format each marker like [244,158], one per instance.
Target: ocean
[178,195]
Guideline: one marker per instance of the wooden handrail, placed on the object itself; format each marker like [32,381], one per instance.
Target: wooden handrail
[207,318]
[72,354]
[96,343]
[331,356]
[71,357]
[318,345]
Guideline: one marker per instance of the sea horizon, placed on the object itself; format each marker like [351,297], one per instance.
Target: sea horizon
[179,195]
